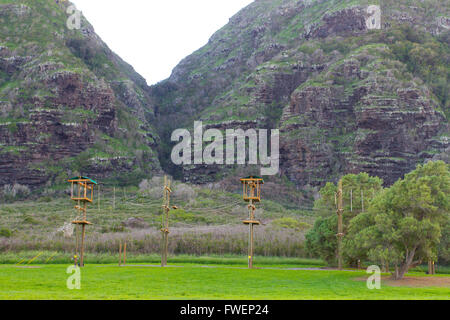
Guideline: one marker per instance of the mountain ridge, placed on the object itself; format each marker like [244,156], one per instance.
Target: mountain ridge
[257,68]
[345,98]
[70,104]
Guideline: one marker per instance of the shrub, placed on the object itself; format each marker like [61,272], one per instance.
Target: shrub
[30,220]
[184,192]
[291,223]
[15,191]
[45,199]
[6,233]
[181,215]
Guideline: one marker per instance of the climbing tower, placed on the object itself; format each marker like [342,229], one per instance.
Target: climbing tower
[251,190]
[82,192]
[165,221]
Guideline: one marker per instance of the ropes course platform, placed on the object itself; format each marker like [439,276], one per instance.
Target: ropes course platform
[81,222]
[251,222]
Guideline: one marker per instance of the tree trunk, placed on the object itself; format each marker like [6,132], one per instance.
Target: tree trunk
[401,273]
[395,274]
[404,267]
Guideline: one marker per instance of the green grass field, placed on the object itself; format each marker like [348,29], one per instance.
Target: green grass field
[194,281]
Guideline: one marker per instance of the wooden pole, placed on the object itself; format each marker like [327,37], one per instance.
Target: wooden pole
[251,245]
[163,244]
[249,188]
[166,248]
[77,251]
[165,222]
[340,227]
[250,231]
[164,258]
[166,243]
[83,233]
[82,198]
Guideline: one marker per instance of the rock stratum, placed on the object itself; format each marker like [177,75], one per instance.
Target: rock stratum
[68,104]
[345,96]
[349,92]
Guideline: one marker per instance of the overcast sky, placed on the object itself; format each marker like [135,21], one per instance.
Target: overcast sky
[154,35]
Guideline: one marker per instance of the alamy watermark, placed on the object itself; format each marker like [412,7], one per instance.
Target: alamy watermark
[74,20]
[444,22]
[213,153]
[374,281]
[374,19]
[73,281]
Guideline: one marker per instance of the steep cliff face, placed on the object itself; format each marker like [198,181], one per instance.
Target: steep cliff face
[345,98]
[68,104]
[363,114]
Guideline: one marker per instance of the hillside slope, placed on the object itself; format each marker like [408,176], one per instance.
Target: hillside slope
[68,104]
[346,99]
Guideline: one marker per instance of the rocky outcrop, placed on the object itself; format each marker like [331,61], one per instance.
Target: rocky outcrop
[343,97]
[68,104]
[375,124]
[326,133]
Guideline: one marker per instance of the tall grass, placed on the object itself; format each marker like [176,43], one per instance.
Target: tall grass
[209,222]
[204,240]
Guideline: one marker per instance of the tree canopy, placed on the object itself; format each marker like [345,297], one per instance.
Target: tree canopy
[404,223]
[402,227]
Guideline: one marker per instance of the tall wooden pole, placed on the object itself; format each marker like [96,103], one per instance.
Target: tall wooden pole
[249,187]
[166,247]
[82,197]
[165,222]
[251,215]
[83,234]
[163,239]
[250,236]
[340,234]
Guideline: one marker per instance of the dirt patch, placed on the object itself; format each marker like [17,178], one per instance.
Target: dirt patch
[416,282]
